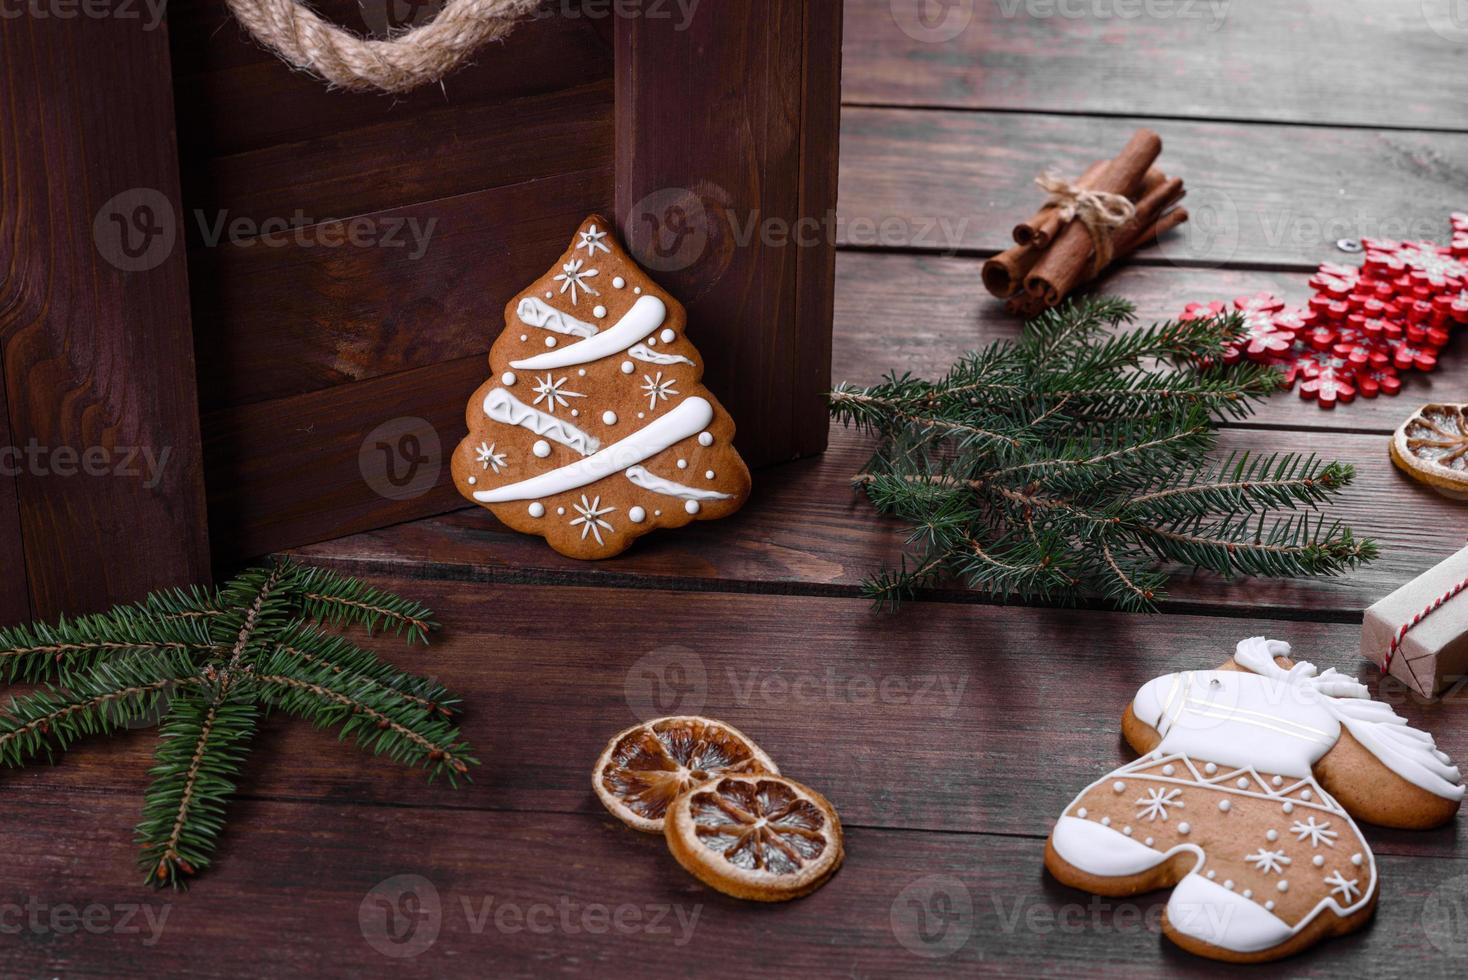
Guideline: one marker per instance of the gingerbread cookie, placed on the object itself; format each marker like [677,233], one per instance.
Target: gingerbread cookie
[594,429]
[1243,804]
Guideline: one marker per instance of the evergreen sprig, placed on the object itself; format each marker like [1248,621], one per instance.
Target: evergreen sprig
[205,666]
[1076,461]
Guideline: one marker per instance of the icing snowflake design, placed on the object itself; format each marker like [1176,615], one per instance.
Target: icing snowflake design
[489,459]
[1316,833]
[573,277]
[549,390]
[590,520]
[1154,805]
[656,388]
[591,240]
[1268,861]
[1346,888]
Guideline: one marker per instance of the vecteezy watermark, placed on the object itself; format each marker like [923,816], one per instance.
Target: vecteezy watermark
[1213,12]
[681,12]
[1445,916]
[932,21]
[301,231]
[38,918]
[403,916]
[402,458]
[144,463]
[1448,19]
[135,231]
[933,917]
[941,691]
[670,680]
[148,12]
[1210,236]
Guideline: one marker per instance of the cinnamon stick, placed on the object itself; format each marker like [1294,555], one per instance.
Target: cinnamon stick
[1069,258]
[1005,273]
[1040,230]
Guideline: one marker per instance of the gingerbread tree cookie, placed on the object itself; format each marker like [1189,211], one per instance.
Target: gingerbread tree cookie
[1243,800]
[594,429]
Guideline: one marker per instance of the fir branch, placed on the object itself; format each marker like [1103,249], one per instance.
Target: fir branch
[1074,462]
[340,601]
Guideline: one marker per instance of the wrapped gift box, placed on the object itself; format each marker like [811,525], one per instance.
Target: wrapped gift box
[1433,653]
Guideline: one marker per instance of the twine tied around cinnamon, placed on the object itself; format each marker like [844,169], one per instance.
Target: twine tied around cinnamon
[422,55]
[1100,211]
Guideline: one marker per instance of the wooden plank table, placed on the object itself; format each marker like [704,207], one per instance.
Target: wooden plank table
[950,734]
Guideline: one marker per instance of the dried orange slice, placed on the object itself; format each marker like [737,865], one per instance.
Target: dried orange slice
[1432,446]
[644,769]
[765,838]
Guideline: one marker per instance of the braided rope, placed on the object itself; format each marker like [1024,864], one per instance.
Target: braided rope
[1436,604]
[418,57]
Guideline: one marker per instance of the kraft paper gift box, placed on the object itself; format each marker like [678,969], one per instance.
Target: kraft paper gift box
[1434,653]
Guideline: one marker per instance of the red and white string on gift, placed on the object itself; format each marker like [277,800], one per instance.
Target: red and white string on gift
[1438,603]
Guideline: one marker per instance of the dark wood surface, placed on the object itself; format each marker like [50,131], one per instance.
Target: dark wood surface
[95,330]
[723,191]
[15,597]
[994,716]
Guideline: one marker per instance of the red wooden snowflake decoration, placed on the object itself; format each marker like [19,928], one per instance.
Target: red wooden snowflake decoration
[1329,387]
[1375,381]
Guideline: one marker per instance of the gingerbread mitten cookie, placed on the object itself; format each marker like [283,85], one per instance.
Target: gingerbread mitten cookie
[593,428]
[1244,799]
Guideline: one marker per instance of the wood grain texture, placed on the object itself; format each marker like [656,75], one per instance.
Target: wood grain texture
[722,214]
[950,181]
[1294,62]
[919,313]
[15,601]
[97,354]
[552,894]
[806,531]
[275,322]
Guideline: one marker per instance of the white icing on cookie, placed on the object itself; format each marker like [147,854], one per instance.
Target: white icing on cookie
[642,353]
[646,314]
[690,415]
[537,313]
[503,407]
[640,476]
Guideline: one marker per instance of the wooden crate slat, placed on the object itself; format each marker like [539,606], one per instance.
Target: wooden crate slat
[711,196]
[94,315]
[848,700]
[945,181]
[1267,61]
[277,322]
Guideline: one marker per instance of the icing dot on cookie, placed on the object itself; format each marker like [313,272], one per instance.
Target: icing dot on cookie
[1356,860]
[581,373]
[1229,884]
[652,341]
[1242,783]
[642,415]
[1283,886]
[523,338]
[1127,830]
[1269,906]
[1225,805]
[575,413]
[1184,827]
[1168,770]
[473,480]
[1289,807]
[1106,821]
[1118,787]
[1081,813]
[708,474]
[1248,893]
[1318,860]
[657,513]
[1276,781]
[1210,769]
[550,295]
[1271,835]
[619,283]
[1148,841]
[627,367]
[608,418]
[561,511]
[667,336]
[1212,874]
[507,379]
[537,509]
[637,515]
[1306,795]
[692,507]
[541,448]
[550,341]
[600,312]
[637,290]
[705,438]
[682,464]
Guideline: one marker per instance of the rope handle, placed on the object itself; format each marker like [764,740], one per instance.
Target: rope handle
[1434,606]
[418,57]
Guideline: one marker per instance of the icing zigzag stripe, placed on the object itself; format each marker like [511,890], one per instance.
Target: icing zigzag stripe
[647,481]
[537,313]
[643,353]
[504,407]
